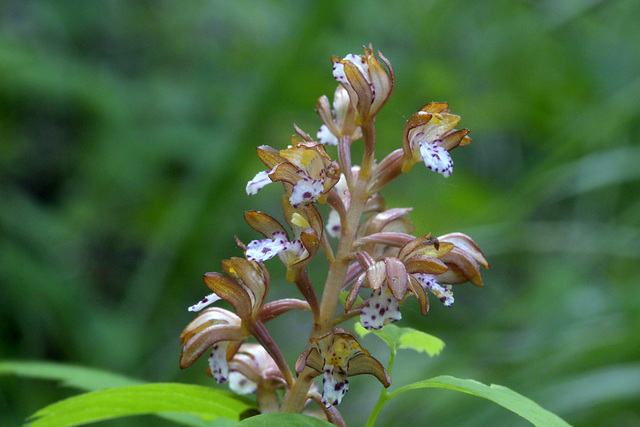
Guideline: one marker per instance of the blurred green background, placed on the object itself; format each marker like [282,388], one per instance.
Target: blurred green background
[127,135]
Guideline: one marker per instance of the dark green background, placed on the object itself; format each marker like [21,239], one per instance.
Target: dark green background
[127,135]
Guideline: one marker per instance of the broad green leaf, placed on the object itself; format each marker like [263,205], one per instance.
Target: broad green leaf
[71,376]
[406,338]
[296,420]
[86,379]
[204,402]
[503,396]
[421,342]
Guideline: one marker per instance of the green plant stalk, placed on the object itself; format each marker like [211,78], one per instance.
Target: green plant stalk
[385,396]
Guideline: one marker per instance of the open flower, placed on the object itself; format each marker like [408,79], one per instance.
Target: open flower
[338,355]
[339,122]
[305,168]
[253,370]
[295,253]
[214,328]
[429,135]
[245,287]
[368,83]
[390,280]
[421,265]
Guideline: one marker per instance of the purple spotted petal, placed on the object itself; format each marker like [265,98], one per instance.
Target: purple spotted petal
[239,384]
[305,191]
[334,387]
[209,299]
[428,281]
[218,362]
[383,308]
[338,68]
[436,158]
[333,226]
[262,250]
[260,180]
[326,137]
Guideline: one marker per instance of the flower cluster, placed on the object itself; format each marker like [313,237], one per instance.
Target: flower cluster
[377,262]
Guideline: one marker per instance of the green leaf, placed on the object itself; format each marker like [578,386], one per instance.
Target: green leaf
[421,342]
[204,402]
[71,376]
[296,420]
[503,396]
[406,338]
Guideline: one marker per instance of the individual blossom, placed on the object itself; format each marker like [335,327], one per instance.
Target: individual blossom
[421,264]
[253,370]
[429,135]
[339,122]
[296,252]
[305,169]
[390,280]
[245,287]
[214,328]
[337,355]
[368,83]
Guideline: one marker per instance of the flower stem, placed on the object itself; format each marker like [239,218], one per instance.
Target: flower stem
[384,394]
[260,332]
[296,397]
[338,269]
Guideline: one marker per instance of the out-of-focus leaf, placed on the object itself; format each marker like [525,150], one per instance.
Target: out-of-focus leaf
[296,420]
[84,379]
[70,376]
[501,395]
[204,402]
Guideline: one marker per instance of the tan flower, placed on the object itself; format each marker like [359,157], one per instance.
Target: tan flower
[339,122]
[305,168]
[253,370]
[295,253]
[429,135]
[421,264]
[338,355]
[368,83]
[245,289]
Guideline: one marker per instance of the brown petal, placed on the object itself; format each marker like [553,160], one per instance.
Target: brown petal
[251,275]
[381,82]
[453,139]
[382,219]
[263,223]
[276,308]
[424,245]
[420,293]
[425,264]
[314,218]
[205,338]
[376,274]
[270,156]
[311,358]
[467,244]
[323,108]
[361,86]
[385,238]
[396,277]
[462,267]
[364,364]
[208,317]
[353,293]
[230,291]
[365,260]
[286,172]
